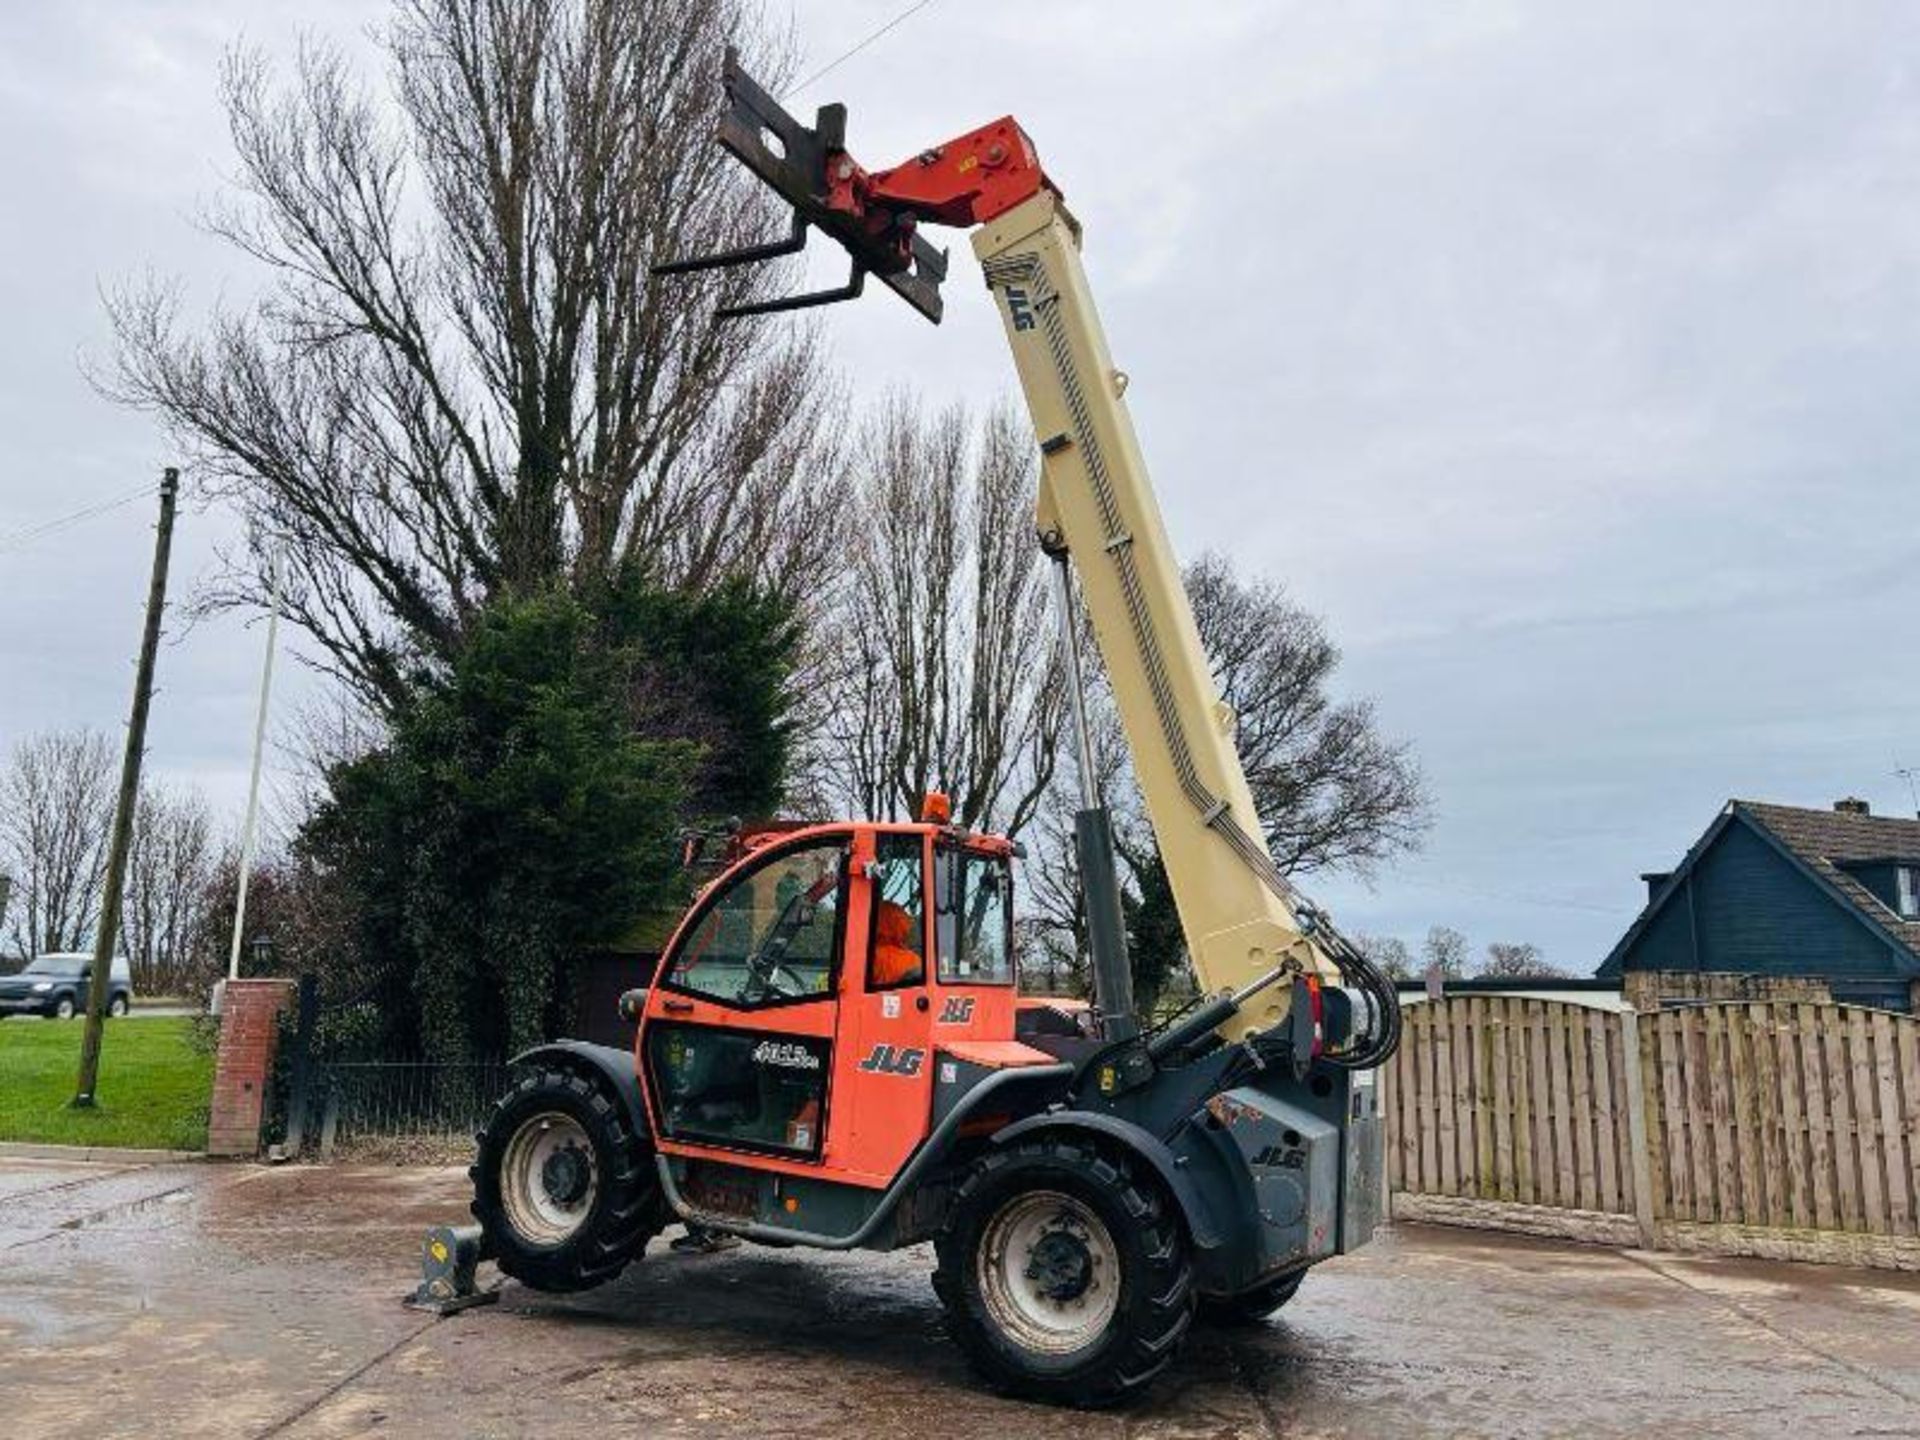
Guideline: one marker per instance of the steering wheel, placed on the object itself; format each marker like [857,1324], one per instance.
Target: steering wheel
[769,976]
[780,982]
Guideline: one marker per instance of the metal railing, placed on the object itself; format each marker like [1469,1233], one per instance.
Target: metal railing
[419,1101]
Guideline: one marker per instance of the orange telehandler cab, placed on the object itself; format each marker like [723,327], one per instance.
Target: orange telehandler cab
[833,1051]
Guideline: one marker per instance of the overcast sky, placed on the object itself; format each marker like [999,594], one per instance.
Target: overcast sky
[1566,363]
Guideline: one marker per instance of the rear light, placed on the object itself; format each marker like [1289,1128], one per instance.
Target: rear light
[1317,1009]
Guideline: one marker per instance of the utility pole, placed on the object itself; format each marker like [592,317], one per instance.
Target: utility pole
[249,830]
[105,942]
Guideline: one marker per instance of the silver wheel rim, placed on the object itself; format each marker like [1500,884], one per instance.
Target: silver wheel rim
[1049,1272]
[544,1146]
[64,1010]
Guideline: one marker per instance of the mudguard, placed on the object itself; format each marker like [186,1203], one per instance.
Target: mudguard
[608,1060]
[1137,1141]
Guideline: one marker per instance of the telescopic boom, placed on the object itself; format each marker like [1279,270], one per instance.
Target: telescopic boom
[1241,918]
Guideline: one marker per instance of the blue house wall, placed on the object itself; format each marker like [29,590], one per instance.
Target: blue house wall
[1761,914]
[1744,907]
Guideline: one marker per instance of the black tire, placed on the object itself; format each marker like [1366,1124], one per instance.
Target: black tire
[619,1213]
[1155,1304]
[63,1008]
[1251,1307]
[117,1006]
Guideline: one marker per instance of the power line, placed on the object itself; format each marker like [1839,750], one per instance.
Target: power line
[18,539]
[838,61]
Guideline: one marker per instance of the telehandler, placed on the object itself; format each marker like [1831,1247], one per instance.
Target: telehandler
[833,1051]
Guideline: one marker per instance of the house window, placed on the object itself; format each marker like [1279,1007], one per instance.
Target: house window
[1908,880]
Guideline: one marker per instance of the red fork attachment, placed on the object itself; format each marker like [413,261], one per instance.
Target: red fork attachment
[875,216]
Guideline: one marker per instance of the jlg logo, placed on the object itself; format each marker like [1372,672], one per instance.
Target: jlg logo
[890,1060]
[957,1010]
[1019,308]
[1275,1157]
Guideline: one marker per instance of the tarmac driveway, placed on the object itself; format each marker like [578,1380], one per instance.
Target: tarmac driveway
[202,1299]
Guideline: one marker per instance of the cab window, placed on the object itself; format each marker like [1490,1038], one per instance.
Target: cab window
[975,919]
[896,954]
[771,936]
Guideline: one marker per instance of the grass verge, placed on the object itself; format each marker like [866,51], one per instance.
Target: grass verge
[154,1084]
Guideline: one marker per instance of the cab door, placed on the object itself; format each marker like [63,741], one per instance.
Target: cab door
[737,1050]
[886,1069]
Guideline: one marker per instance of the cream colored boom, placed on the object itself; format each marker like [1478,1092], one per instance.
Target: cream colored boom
[1096,499]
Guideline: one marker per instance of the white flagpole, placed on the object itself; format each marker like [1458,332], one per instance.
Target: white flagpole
[247,834]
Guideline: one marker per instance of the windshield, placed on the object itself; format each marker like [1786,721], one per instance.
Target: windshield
[770,936]
[54,965]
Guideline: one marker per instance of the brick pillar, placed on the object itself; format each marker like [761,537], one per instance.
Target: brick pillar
[247,1034]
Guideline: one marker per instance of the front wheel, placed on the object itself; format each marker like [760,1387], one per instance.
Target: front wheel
[562,1187]
[63,1008]
[1064,1277]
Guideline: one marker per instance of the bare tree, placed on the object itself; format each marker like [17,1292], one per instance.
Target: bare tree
[1332,791]
[308,913]
[942,671]
[1517,962]
[1445,951]
[56,808]
[1388,952]
[464,376]
[1052,901]
[1049,962]
[172,866]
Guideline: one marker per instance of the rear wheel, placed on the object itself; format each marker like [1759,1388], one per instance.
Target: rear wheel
[1065,1278]
[117,1006]
[562,1186]
[1253,1306]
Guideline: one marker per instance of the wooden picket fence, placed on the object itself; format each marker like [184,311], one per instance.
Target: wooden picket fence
[1790,1130]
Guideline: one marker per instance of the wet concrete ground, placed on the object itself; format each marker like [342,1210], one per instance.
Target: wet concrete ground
[197,1299]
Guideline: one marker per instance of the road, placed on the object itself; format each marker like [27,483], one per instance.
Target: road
[139,1012]
[210,1300]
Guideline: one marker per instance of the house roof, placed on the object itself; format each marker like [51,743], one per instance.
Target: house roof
[1819,843]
